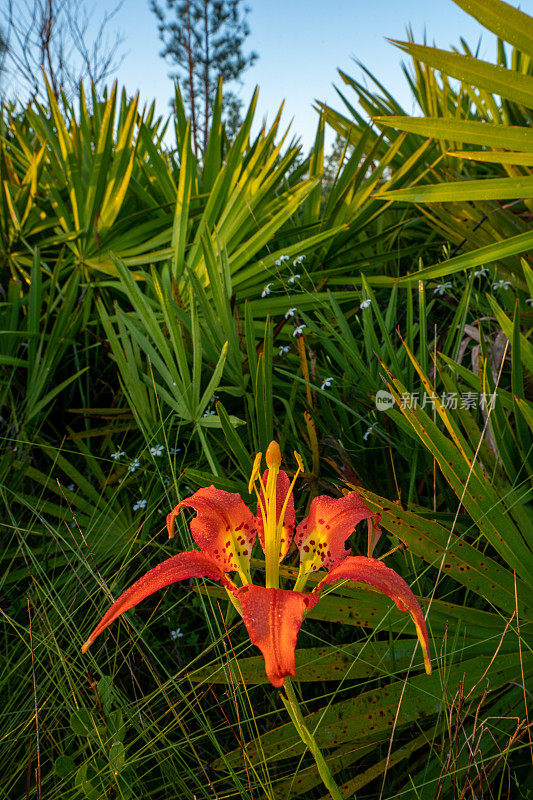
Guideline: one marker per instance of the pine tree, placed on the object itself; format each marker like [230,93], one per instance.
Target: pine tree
[204,39]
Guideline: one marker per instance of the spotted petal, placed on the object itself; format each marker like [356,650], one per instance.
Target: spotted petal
[386,580]
[321,536]
[224,527]
[282,489]
[273,618]
[192,564]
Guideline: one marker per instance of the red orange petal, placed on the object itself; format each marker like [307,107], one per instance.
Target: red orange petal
[192,564]
[321,536]
[377,574]
[282,488]
[224,527]
[273,618]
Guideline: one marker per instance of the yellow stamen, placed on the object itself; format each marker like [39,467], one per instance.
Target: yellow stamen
[261,504]
[272,526]
[255,471]
[273,459]
[291,487]
[273,456]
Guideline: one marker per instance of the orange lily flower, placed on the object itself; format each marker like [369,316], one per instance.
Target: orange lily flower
[225,530]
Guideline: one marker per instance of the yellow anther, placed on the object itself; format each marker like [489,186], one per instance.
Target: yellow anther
[255,471]
[273,455]
[299,461]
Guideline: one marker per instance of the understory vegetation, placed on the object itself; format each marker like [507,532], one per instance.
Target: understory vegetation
[164,316]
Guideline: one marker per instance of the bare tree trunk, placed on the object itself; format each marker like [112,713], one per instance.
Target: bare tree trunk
[206,74]
[192,96]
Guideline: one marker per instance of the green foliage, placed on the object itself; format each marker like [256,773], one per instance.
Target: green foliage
[165,317]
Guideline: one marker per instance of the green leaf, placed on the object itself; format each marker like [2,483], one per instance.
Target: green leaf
[451,553]
[115,725]
[64,766]
[374,712]
[503,19]
[515,86]
[105,685]
[483,255]
[461,191]
[462,130]
[82,722]
[117,756]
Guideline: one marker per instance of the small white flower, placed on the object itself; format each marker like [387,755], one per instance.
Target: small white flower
[279,261]
[134,464]
[294,277]
[501,284]
[157,449]
[284,349]
[177,634]
[297,261]
[481,273]
[71,487]
[209,413]
[174,451]
[118,454]
[326,383]
[369,431]
[291,312]
[365,303]
[266,290]
[139,504]
[442,287]
[299,330]
[529,301]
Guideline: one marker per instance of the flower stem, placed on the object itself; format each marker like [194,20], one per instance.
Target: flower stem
[293,707]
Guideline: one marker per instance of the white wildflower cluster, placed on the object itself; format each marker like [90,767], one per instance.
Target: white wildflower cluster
[139,505]
[365,303]
[176,634]
[279,262]
[501,284]
[326,383]
[118,454]
[210,411]
[442,288]
[134,465]
[482,273]
[284,349]
[299,329]
[291,312]
[157,450]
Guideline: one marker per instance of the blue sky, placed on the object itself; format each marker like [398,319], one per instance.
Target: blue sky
[301,43]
